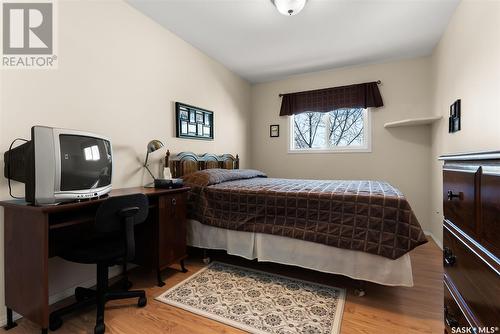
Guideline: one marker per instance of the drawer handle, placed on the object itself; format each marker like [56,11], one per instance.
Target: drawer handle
[451,195]
[174,201]
[450,320]
[449,258]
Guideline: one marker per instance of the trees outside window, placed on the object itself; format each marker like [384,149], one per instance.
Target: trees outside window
[338,130]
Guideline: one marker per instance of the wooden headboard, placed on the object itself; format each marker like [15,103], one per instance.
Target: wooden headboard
[188,162]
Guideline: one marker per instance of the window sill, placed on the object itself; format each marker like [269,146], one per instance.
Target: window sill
[327,151]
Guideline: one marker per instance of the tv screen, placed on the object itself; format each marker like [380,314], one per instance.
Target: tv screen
[86,162]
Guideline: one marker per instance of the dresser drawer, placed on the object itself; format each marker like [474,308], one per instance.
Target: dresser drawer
[454,317]
[474,273]
[459,198]
[490,211]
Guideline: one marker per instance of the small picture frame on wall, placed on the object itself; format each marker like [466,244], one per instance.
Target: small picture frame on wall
[193,122]
[184,114]
[274,130]
[199,117]
[206,131]
[191,129]
[454,121]
[184,126]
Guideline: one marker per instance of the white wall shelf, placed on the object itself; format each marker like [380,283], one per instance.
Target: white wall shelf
[413,122]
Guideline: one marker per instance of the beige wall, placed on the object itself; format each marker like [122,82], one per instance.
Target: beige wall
[466,66]
[119,75]
[399,155]
[120,78]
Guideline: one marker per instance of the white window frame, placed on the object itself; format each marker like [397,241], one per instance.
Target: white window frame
[366,148]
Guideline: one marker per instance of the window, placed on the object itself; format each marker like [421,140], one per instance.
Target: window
[341,130]
[92,153]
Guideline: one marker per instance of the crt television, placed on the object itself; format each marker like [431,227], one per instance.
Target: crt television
[59,165]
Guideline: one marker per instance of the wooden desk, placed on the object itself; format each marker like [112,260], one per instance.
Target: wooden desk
[35,233]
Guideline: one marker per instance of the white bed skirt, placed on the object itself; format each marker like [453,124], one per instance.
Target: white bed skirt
[305,254]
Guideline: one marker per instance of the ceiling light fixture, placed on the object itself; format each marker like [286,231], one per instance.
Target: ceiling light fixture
[289,7]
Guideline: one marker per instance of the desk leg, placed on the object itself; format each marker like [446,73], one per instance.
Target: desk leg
[158,276]
[26,257]
[183,267]
[10,321]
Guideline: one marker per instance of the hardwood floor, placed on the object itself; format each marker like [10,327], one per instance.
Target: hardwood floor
[383,310]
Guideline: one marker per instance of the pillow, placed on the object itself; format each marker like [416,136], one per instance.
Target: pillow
[212,176]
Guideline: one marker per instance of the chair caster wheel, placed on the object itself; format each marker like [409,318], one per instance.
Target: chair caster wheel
[142,302]
[206,260]
[99,329]
[359,292]
[55,323]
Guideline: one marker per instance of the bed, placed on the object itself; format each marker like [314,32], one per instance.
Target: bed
[360,229]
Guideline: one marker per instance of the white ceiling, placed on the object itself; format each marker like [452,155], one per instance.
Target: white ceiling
[252,39]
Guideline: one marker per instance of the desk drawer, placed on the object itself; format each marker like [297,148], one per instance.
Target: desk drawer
[459,198]
[172,229]
[477,282]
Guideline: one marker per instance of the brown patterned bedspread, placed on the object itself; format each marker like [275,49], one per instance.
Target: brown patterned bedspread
[368,216]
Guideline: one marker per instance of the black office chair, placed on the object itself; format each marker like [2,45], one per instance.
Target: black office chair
[112,243]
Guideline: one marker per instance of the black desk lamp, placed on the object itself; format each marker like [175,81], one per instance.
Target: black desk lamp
[153,145]
[159,183]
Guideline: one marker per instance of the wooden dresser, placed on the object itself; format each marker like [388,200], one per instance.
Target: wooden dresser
[471,242]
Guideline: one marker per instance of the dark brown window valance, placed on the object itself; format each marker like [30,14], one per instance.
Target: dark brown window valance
[364,95]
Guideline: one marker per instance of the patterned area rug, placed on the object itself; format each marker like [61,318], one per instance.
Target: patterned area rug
[259,302]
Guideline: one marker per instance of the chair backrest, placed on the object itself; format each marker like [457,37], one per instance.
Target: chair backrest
[110,214]
[121,214]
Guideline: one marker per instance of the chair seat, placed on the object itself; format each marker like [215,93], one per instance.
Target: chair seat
[97,252]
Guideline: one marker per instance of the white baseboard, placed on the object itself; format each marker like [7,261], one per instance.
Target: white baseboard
[58,296]
[436,240]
